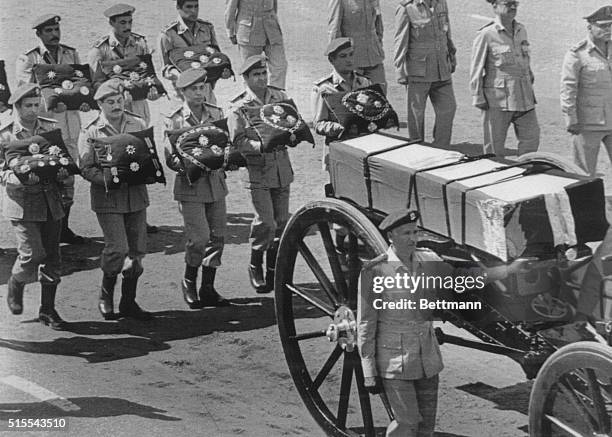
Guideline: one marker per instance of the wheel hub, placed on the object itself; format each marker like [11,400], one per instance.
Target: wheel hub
[343,330]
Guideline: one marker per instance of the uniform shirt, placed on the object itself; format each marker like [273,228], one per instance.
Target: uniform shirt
[423,44]
[210,187]
[586,86]
[253,22]
[128,198]
[500,74]
[266,170]
[41,55]
[360,20]
[27,202]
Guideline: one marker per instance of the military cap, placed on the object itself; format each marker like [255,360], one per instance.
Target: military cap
[119,9]
[255,61]
[602,15]
[338,44]
[109,88]
[45,20]
[190,76]
[398,218]
[25,90]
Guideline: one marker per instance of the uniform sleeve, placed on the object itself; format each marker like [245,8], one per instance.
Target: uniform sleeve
[401,41]
[77,58]
[367,320]
[237,127]
[334,25]
[165,45]
[378,23]
[477,69]
[570,78]
[23,70]
[213,38]
[323,121]
[90,169]
[231,9]
[94,59]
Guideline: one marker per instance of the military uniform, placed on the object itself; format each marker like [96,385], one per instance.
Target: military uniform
[254,24]
[424,60]
[501,79]
[362,21]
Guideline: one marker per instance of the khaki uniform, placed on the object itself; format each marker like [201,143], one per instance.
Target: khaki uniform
[362,21]
[425,59]
[586,99]
[203,203]
[501,77]
[255,25]
[122,212]
[35,211]
[269,174]
[108,48]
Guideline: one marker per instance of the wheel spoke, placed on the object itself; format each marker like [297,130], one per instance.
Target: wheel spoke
[311,299]
[345,391]
[563,426]
[354,270]
[329,364]
[603,420]
[316,268]
[334,262]
[576,397]
[307,335]
[364,399]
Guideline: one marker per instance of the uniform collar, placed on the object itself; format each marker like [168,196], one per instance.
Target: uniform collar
[18,127]
[499,26]
[43,49]
[182,27]
[104,123]
[339,80]
[252,96]
[591,46]
[114,42]
[187,112]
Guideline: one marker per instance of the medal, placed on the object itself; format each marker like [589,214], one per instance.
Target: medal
[109,157]
[372,126]
[158,173]
[116,180]
[292,138]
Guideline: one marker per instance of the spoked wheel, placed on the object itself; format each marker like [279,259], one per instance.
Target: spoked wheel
[572,394]
[319,260]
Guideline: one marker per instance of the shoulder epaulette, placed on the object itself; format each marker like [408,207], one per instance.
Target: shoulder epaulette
[67,47]
[405,2]
[323,79]
[213,106]
[578,46]
[133,114]
[170,25]
[172,112]
[205,22]
[48,120]
[35,49]
[487,25]
[371,263]
[238,97]
[137,35]
[276,88]
[101,41]
[91,122]
[9,123]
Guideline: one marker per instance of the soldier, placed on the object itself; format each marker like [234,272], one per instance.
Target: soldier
[269,173]
[122,213]
[254,26]
[121,43]
[586,91]
[424,61]
[51,51]
[361,21]
[502,82]
[35,211]
[201,204]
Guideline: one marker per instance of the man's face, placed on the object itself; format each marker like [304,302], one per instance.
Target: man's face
[506,8]
[190,10]
[122,25]
[112,106]
[49,35]
[257,79]
[195,94]
[343,60]
[600,32]
[28,108]
[404,237]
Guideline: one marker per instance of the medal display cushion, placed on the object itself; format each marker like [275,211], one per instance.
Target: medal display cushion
[43,155]
[202,56]
[69,84]
[137,73]
[5,92]
[364,110]
[129,158]
[277,125]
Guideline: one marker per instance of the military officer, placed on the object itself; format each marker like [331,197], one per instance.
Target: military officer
[424,61]
[362,21]
[34,209]
[269,173]
[586,91]
[51,51]
[203,203]
[501,81]
[254,26]
[122,213]
[121,43]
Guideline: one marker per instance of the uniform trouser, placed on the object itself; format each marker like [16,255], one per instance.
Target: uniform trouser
[276,61]
[125,242]
[271,215]
[205,225]
[586,148]
[414,403]
[376,74]
[67,191]
[496,123]
[38,251]
[442,98]
[140,108]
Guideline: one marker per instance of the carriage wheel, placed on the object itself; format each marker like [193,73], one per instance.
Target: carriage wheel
[552,159]
[316,301]
[572,394]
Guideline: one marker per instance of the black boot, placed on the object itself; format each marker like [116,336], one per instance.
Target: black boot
[188,287]
[127,305]
[270,265]
[14,295]
[67,236]
[256,271]
[105,302]
[47,314]
[208,295]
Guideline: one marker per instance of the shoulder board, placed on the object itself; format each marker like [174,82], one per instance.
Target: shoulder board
[48,120]
[170,25]
[205,22]
[35,49]
[238,97]
[213,106]
[578,46]
[487,25]
[323,80]
[91,122]
[371,263]
[276,88]
[133,114]
[172,112]
[67,47]
[101,41]
[8,123]
[137,35]
[405,2]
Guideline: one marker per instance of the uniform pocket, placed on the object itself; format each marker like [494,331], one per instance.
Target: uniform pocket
[417,65]
[592,110]
[243,32]
[443,21]
[390,354]
[503,55]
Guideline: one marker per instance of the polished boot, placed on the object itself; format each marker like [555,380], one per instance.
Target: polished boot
[256,275]
[208,295]
[151,229]
[67,236]
[188,287]
[127,305]
[105,301]
[14,295]
[270,265]
[47,315]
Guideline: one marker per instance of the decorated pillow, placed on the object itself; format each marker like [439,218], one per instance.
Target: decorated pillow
[129,158]
[42,155]
[202,56]
[69,84]
[5,92]
[136,72]
[277,125]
